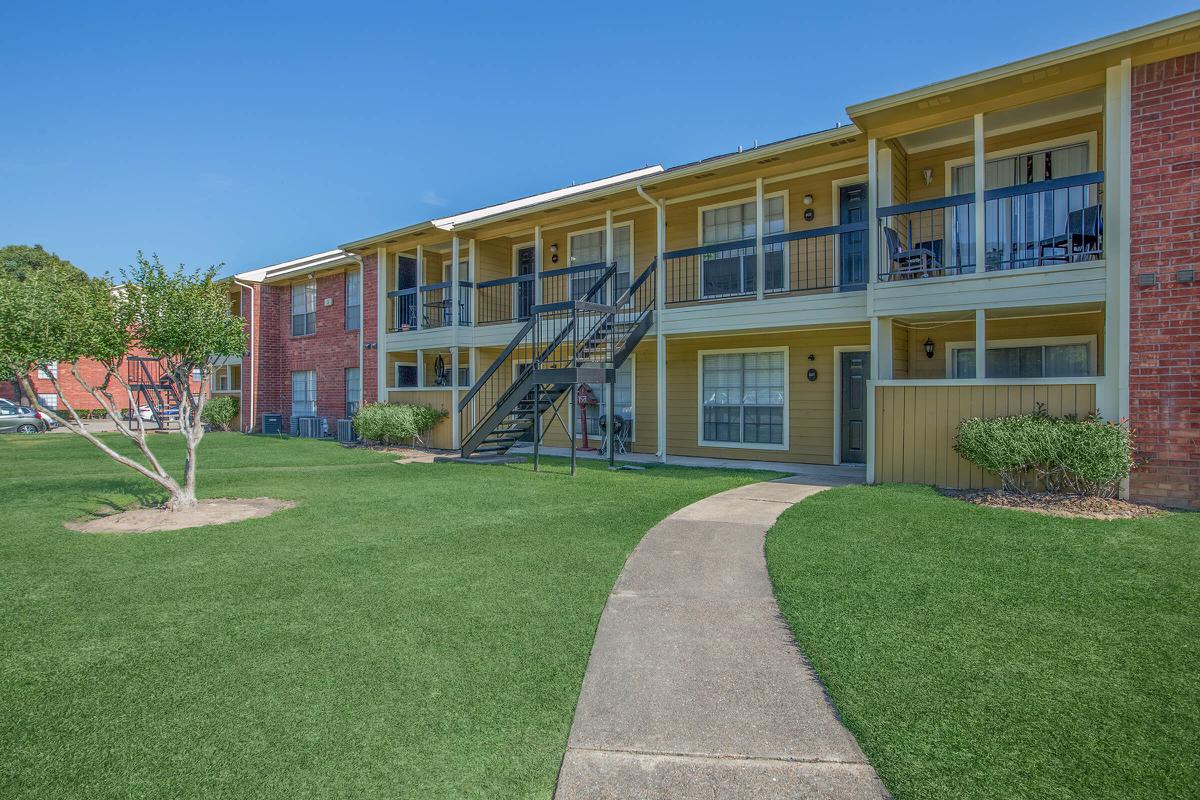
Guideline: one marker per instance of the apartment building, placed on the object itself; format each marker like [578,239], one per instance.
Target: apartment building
[1019,237]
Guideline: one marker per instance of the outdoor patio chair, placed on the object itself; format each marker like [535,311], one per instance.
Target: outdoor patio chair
[916,262]
[1080,239]
[622,433]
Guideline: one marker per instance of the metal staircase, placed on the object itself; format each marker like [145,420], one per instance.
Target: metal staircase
[151,387]
[563,344]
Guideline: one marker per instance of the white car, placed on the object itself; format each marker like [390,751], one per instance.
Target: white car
[42,415]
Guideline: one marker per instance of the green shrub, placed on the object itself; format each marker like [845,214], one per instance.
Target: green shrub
[1064,455]
[220,411]
[97,413]
[394,423]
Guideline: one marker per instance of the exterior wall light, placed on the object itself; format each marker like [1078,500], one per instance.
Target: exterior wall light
[808,199]
[929,348]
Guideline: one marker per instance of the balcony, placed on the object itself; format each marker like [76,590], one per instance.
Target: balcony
[1029,225]
[428,306]
[818,260]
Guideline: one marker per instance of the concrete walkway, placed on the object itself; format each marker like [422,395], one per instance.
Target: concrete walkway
[695,687]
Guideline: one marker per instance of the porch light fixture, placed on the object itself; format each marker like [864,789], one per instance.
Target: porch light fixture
[808,199]
[929,348]
[927,174]
[554,248]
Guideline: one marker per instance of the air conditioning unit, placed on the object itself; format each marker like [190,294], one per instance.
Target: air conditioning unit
[345,431]
[310,427]
[272,424]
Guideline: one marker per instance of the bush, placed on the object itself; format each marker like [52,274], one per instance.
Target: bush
[220,411]
[393,424]
[97,413]
[1064,455]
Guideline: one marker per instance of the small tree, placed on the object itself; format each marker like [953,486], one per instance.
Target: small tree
[181,318]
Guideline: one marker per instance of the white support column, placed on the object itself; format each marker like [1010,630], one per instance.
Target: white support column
[660,339]
[471,294]
[455,252]
[454,390]
[980,343]
[609,255]
[537,265]
[872,377]
[760,270]
[420,279]
[420,369]
[980,208]
[872,223]
[1113,399]
[381,312]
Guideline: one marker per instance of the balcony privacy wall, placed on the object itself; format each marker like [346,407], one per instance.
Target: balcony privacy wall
[915,426]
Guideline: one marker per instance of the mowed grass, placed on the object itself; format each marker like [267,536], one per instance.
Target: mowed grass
[406,631]
[986,653]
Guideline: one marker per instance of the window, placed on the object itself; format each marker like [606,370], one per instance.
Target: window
[304,308]
[406,375]
[623,406]
[228,379]
[588,248]
[743,398]
[304,393]
[197,374]
[1027,360]
[464,377]
[51,369]
[353,300]
[49,401]
[734,271]
[1015,224]
[353,390]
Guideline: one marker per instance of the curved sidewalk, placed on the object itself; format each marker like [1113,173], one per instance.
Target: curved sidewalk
[695,686]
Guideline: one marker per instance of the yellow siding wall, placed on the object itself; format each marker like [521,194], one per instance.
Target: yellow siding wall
[901,354]
[440,436]
[915,426]
[810,411]
[921,366]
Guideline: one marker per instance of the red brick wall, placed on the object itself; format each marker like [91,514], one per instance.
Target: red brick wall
[329,351]
[1164,378]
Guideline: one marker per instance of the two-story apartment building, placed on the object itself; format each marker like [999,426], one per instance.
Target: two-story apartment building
[1021,236]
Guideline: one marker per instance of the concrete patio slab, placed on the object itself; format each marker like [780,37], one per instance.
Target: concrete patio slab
[695,686]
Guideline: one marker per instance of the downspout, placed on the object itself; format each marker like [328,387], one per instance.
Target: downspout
[253,358]
[660,344]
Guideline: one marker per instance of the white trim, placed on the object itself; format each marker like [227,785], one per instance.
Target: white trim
[396,376]
[516,248]
[835,219]
[787,400]
[1089,339]
[837,393]
[607,255]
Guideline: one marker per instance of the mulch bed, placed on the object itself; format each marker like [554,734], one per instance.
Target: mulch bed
[1056,505]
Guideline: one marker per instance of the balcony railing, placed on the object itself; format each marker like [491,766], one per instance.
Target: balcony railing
[571,283]
[504,300]
[817,260]
[1039,224]
[428,306]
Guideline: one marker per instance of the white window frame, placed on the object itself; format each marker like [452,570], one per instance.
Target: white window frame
[607,256]
[292,306]
[787,399]
[346,300]
[396,374]
[51,368]
[292,386]
[1089,339]
[48,400]
[225,372]
[346,387]
[787,227]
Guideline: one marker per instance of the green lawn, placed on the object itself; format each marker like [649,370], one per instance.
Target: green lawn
[985,653]
[406,631]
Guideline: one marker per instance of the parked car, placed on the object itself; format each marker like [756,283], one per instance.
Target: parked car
[44,417]
[19,419]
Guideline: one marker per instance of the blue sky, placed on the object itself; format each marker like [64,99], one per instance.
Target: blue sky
[253,133]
